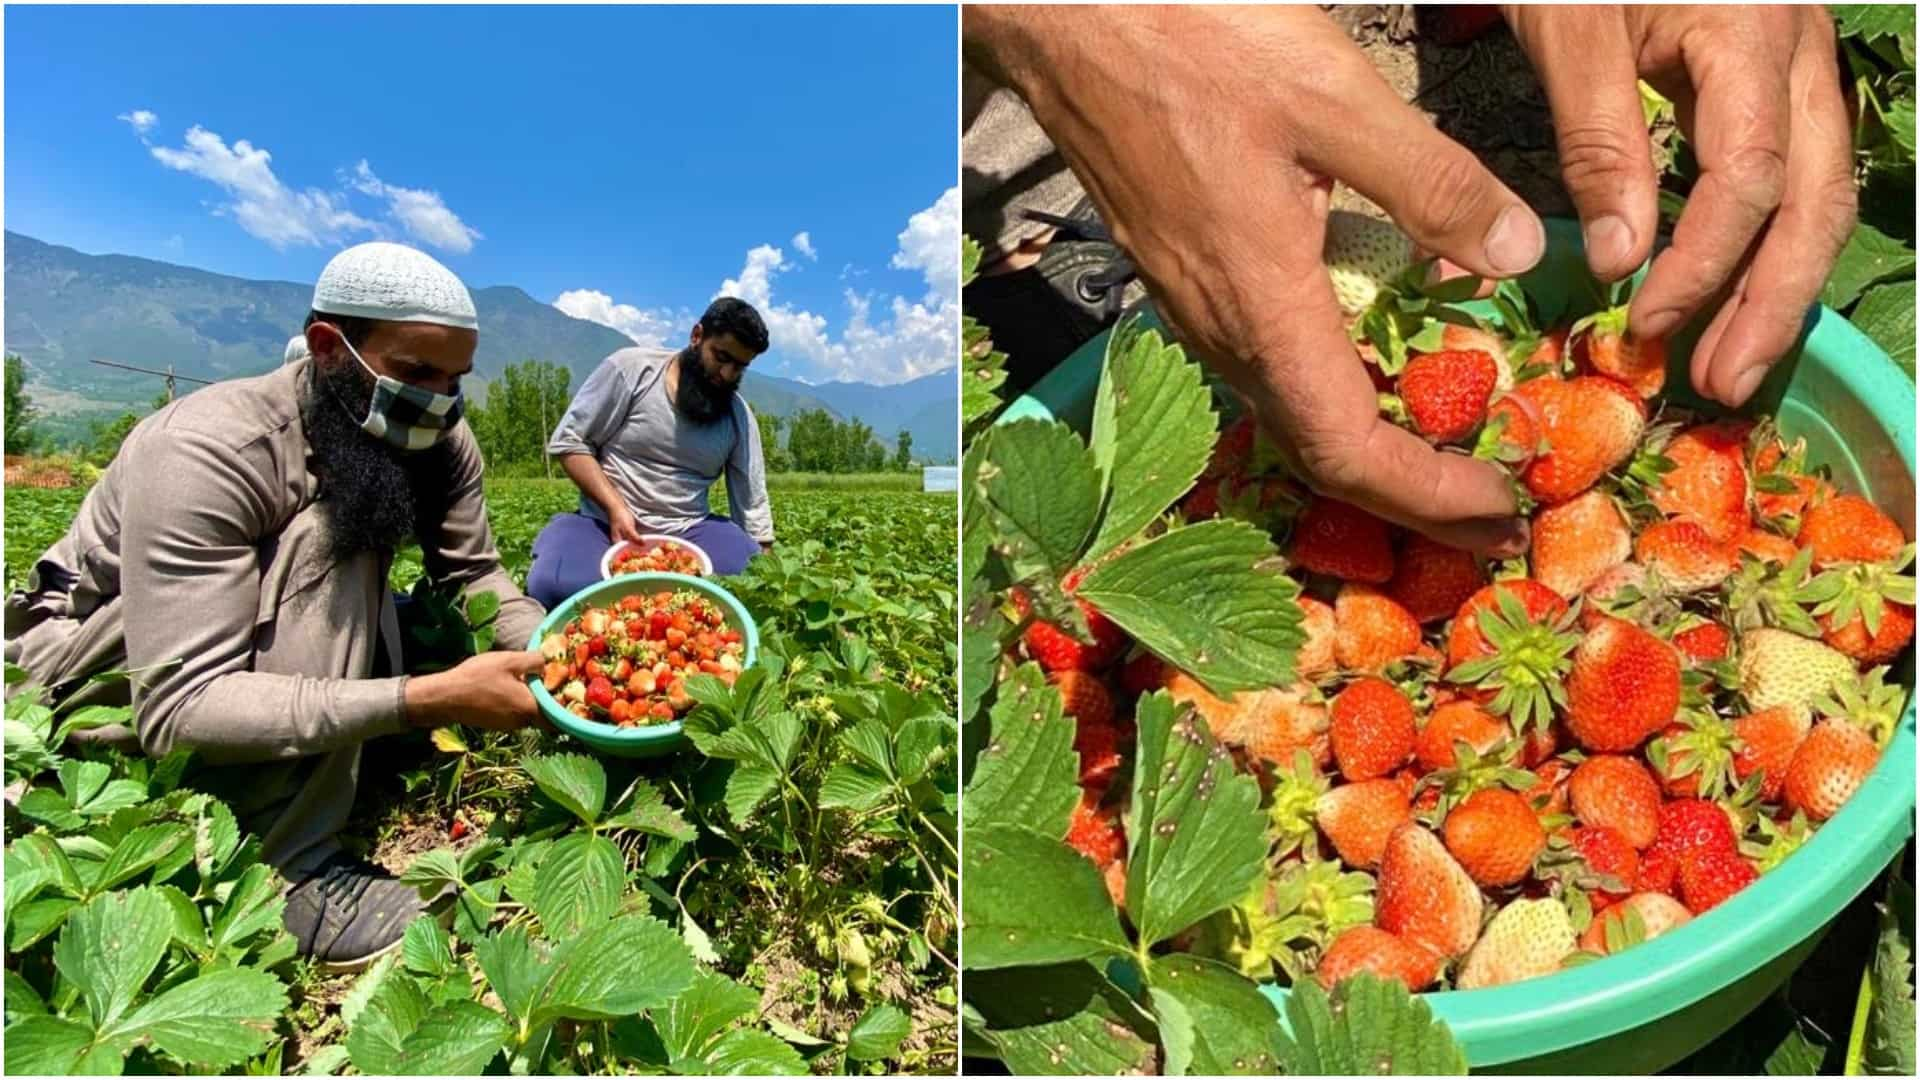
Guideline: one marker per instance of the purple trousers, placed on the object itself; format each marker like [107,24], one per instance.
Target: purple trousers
[566,554]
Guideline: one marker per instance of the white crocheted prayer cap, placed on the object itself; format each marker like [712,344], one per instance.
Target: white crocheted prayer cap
[396,283]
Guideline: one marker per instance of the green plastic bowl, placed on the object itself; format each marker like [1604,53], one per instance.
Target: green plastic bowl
[653,739]
[1646,1009]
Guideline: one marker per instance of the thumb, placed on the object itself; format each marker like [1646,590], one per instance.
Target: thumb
[1585,62]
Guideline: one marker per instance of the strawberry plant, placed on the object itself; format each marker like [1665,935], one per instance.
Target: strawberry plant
[778,898]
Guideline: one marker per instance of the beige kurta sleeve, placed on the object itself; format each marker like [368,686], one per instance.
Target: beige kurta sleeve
[194,514]
[464,551]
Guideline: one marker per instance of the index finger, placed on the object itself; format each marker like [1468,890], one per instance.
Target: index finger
[1740,131]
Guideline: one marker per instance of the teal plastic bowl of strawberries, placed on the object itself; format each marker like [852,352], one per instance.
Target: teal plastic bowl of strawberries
[1753,568]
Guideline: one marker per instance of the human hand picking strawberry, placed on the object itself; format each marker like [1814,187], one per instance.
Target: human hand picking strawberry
[1203,135]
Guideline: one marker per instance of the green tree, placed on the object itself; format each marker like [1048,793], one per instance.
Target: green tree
[813,441]
[903,451]
[520,410]
[103,444]
[771,451]
[20,411]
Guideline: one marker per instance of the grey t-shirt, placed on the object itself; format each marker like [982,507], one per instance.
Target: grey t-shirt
[660,461]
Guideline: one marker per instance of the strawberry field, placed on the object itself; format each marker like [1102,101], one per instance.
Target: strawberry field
[1223,735]
[778,898]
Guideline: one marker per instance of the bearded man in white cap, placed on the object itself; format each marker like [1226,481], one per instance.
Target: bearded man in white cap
[235,556]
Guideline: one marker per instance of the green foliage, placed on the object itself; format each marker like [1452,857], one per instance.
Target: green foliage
[816,442]
[519,412]
[18,413]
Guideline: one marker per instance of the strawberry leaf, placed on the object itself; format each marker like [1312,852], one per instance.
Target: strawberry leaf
[1031,899]
[1196,835]
[1213,1021]
[1061,1020]
[1026,775]
[1039,484]
[1211,599]
[1368,1026]
[1153,431]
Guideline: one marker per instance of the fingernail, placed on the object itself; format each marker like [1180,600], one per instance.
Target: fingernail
[1516,241]
[1609,242]
[1746,383]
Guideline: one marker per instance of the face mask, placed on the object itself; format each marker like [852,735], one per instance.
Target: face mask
[403,415]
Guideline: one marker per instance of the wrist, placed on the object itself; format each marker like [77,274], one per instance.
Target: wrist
[424,700]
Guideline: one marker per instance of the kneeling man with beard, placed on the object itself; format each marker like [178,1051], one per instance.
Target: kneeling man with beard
[645,440]
[235,555]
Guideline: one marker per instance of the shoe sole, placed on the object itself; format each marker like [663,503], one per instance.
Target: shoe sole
[443,917]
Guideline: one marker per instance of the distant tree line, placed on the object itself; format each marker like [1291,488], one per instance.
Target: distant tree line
[512,423]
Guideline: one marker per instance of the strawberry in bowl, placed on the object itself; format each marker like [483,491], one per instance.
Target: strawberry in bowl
[624,663]
[655,554]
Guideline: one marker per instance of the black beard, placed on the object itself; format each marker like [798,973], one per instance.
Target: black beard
[700,397]
[372,494]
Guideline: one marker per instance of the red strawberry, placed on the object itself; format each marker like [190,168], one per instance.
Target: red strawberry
[1512,434]
[1278,721]
[1618,793]
[1548,796]
[1446,392]
[1371,730]
[1551,352]
[1848,528]
[1658,913]
[1374,951]
[1768,740]
[1203,502]
[1767,547]
[1432,580]
[1143,674]
[1710,876]
[1590,425]
[1767,461]
[1425,897]
[1689,826]
[1708,483]
[1495,836]
[1578,541]
[1706,642]
[1371,631]
[1358,818]
[1889,641]
[1601,344]
[1457,721]
[1084,697]
[1095,832]
[1829,766]
[1685,556]
[1056,650]
[1234,450]
[1343,541]
[1316,656]
[600,692]
[1606,852]
[1464,639]
[1624,686]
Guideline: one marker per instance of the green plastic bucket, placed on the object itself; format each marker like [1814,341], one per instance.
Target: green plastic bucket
[1650,1007]
[651,740]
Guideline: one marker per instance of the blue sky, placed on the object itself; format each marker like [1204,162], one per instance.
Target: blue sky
[626,163]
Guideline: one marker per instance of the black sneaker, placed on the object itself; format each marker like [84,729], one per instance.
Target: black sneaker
[350,913]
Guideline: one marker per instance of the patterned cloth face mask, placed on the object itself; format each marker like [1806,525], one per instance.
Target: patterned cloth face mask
[403,415]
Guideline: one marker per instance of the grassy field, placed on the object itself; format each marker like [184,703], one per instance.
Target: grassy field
[799,864]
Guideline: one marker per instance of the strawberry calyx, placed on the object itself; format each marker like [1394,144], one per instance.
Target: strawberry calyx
[1866,702]
[1846,591]
[1314,901]
[1762,594]
[1700,745]
[1290,815]
[1473,772]
[1774,841]
[1528,666]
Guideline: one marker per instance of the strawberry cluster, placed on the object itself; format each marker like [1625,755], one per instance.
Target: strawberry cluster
[1550,758]
[625,664]
[657,556]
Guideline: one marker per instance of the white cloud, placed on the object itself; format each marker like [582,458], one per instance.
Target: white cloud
[883,340]
[931,244]
[662,328]
[272,210]
[422,213]
[261,203]
[140,120]
[803,243]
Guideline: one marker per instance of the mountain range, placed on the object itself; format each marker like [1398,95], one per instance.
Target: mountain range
[65,308]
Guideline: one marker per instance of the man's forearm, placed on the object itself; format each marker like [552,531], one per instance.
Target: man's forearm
[587,475]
